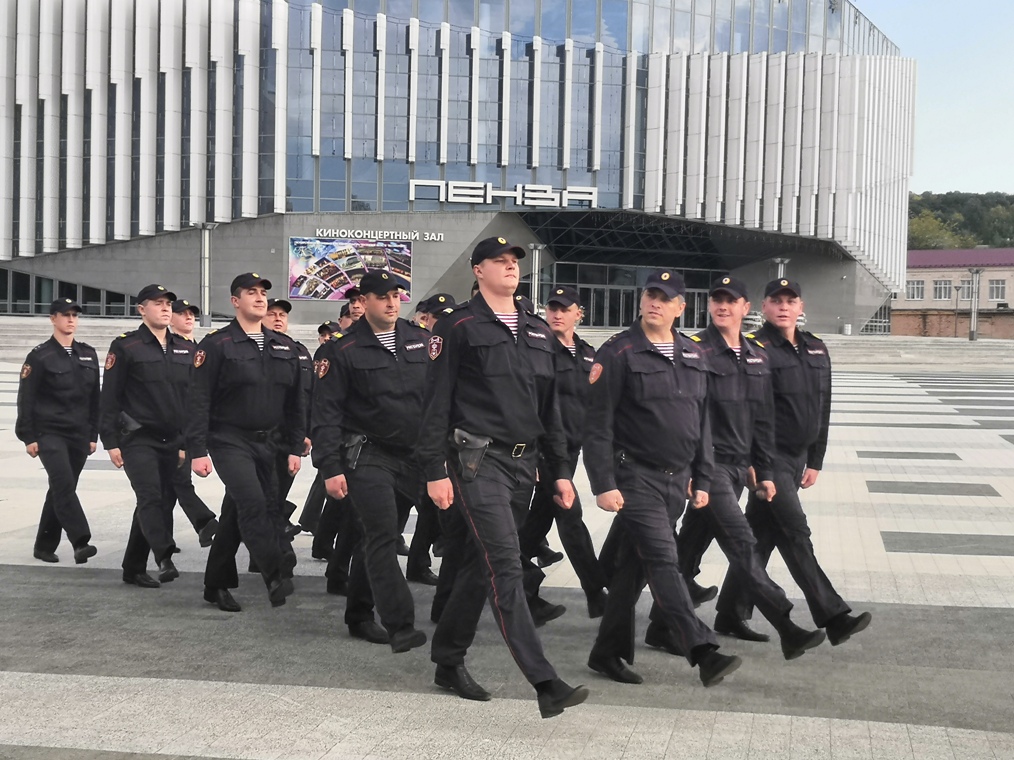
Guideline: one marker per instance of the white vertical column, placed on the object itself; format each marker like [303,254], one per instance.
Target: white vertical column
[170,63]
[697,118]
[121,73]
[474,51]
[714,188]
[96,73]
[280,44]
[848,110]
[27,95]
[348,30]
[792,142]
[568,98]
[774,141]
[505,99]
[316,35]
[675,144]
[50,49]
[146,70]
[444,43]
[753,173]
[736,145]
[536,99]
[654,157]
[827,177]
[381,48]
[222,51]
[413,86]
[248,20]
[196,59]
[596,116]
[8,78]
[630,128]
[809,165]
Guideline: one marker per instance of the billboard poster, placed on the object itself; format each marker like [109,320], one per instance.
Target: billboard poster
[322,269]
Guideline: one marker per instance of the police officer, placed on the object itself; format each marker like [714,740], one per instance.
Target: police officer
[741,411]
[574,358]
[184,318]
[58,421]
[492,396]
[801,378]
[144,389]
[432,307]
[367,408]
[345,319]
[246,401]
[647,436]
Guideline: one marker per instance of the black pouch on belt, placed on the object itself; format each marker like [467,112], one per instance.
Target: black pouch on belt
[353,445]
[471,449]
[128,425]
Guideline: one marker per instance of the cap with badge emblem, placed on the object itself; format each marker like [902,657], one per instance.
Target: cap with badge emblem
[437,302]
[280,303]
[181,305]
[565,296]
[149,292]
[781,285]
[249,280]
[731,285]
[670,283]
[490,248]
[64,306]
[378,282]
[327,327]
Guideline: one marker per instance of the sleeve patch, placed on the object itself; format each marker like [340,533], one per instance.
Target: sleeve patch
[436,346]
[110,360]
[595,374]
[199,358]
[322,367]
[26,370]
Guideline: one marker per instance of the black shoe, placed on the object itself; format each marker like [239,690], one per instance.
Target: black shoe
[424,576]
[140,579]
[45,556]
[338,588]
[84,552]
[402,548]
[222,598]
[177,550]
[457,679]
[319,557]
[700,594]
[406,639]
[713,667]
[291,531]
[660,637]
[252,567]
[206,535]
[543,611]
[558,696]
[597,604]
[167,570]
[368,630]
[729,626]
[546,556]
[615,668]
[278,589]
[841,627]
[796,640]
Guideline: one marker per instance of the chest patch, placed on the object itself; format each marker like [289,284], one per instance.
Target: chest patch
[279,348]
[180,351]
[414,346]
[533,334]
[754,360]
[816,351]
[85,358]
[691,354]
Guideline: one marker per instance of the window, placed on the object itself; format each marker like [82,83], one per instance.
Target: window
[997,290]
[965,290]
[942,290]
[915,290]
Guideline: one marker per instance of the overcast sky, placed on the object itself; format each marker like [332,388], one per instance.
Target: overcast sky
[964,134]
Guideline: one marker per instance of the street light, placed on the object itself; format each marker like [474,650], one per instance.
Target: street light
[973,320]
[781,267]
[536,249]
[205,228]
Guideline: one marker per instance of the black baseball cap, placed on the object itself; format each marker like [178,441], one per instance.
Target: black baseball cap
[279,303]
[355,291]
[180,306]
[249,280]
[378,282]
[149,292]
[565,296]
[344,312]
[493,247]
[783,285]
[329,326]
[64,305]
[731,285]
[437,302]
[669,282]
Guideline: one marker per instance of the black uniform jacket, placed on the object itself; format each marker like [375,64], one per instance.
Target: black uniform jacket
[483,381]
[740,401]
[237,385]
[59,394]
[802,388]
[307,377]
[651,409]
[572,389]
[363,388]
[148,384]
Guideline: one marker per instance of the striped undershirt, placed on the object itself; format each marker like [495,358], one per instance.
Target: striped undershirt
[258,338]
[667,350]
[738,350]
[572,349]
[387,341]
[511,320]
[69,350]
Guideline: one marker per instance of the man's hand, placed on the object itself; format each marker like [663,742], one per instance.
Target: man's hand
[765,490]
[91,448]
[809,477]
[564,494]
[610,501]
[700,499]
[182,458]
[294,464]
[116,458]
[306,447]
[201,466]
[337,487]
[33,449]
[751,478]
[441,492]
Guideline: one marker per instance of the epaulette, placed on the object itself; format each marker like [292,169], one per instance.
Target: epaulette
[613,338]
[753,338]
[123,335]
[695,338]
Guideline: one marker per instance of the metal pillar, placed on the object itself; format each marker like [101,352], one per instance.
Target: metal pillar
[973,321]
[205,228]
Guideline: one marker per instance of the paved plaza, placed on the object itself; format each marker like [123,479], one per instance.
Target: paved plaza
[913,519]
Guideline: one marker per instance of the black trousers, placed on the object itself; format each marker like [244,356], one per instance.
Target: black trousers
[193,506]
[336,537]
[313,507]
[248,470]
[63,458]
[491,508]
[782,524]
[151,465]
[427,528]
[724,520]
[569,524]
[646,553]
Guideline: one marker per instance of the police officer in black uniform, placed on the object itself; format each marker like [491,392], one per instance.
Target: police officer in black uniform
[246,401]
[58,421]
[490,410]
[801,378]
[574,358]
[647,436]
[144,389]
[367,409]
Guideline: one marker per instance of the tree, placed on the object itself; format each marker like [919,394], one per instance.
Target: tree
[926,232]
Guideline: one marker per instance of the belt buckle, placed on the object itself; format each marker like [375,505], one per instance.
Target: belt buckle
[519,450]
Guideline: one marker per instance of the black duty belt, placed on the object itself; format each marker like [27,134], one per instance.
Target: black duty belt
[257,436]
[732,461]
[625,457]
[513,450]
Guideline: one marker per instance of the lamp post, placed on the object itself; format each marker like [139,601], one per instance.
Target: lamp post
[205,228]
[781,266]
[536,249]
[973,320]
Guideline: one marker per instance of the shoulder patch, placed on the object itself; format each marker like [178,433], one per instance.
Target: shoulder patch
[26,370]
[322,367]
[595,374]
[110,360]
[436,346]
[199,358]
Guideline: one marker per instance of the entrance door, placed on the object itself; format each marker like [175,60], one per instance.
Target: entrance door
[695,317]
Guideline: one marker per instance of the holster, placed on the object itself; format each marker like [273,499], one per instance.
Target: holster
[471,449]
[353,445]
[128,425]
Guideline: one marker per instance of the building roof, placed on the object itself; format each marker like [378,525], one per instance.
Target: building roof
[962,257]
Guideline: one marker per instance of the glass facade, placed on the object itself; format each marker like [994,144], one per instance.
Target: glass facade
[23,293]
